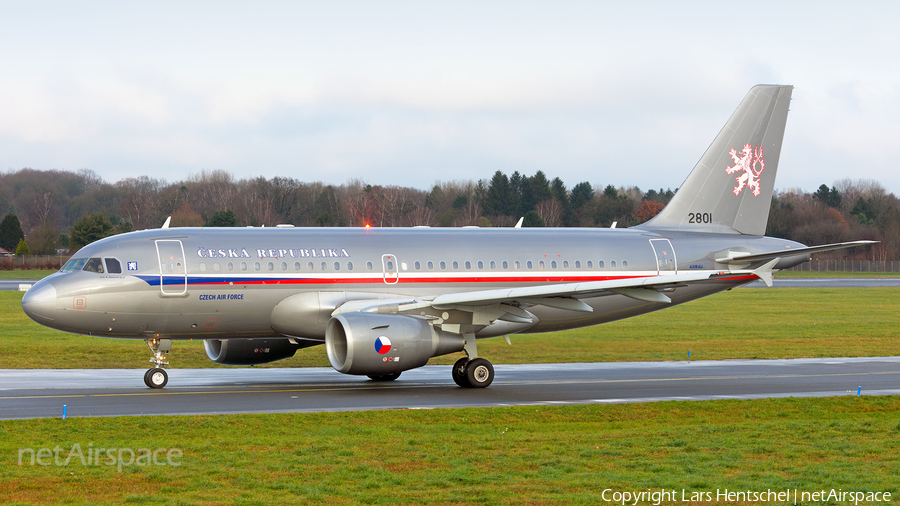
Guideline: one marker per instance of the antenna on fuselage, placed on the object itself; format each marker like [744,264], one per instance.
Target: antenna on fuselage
[166,224]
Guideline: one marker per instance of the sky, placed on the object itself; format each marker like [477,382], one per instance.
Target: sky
[414,93]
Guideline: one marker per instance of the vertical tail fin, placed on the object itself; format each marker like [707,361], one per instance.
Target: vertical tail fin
[730,188]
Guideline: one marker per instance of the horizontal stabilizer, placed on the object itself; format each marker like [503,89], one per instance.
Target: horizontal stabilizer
[738,257]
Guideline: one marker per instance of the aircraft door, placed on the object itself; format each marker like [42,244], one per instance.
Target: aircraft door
[665,256]
[391,269]
[172,270]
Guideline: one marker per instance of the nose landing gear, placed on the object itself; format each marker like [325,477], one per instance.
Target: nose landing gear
[156,377]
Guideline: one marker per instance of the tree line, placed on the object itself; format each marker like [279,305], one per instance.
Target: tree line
[58,209]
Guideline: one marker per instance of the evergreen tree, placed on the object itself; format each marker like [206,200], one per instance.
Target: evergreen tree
[582,193]
[497,198]
[516,190]
[829,197]
[10,232]
[222,219]
[532,219]
[88,229]
[22,248]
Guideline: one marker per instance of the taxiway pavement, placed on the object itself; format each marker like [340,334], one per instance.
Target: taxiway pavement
[117,392]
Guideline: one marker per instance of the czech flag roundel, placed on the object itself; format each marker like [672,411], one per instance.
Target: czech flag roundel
[382,345]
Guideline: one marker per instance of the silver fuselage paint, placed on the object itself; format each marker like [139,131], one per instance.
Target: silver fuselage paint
[229,280]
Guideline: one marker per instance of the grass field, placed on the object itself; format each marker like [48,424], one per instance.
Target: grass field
[758,323]
[520,455]
[26,273]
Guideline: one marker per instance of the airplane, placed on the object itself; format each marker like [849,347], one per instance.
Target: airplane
[386,300]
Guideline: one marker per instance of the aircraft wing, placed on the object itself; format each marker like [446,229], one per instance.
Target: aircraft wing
[740,257]
[631,286]
[490,305]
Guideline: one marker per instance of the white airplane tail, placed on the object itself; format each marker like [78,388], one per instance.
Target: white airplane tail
[730,188]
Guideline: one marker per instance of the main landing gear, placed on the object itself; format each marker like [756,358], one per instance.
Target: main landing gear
[470,371]
[156,376]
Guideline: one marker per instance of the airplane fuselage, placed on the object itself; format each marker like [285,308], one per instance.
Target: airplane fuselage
[215,283]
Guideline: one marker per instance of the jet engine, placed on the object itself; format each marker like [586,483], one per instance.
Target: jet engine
[249,351]
[381,345]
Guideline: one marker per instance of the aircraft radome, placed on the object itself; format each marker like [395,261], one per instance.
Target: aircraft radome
[386,300]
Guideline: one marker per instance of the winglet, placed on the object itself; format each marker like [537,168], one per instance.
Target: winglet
[519,223]
[166,224]
[765,272]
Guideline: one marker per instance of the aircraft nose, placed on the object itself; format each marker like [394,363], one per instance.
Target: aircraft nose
[39,302]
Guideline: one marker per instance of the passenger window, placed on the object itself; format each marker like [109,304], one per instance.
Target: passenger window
[418,265]
[296,266]
[430,265]
[271,266]
[565,264]
[541,264]
[601,265]
[480,265]
[612,264]
[529,264]
[455,265]
[283,266]
[578,264]
[624,264]
[553,264]
[244,266]
[404,266]
[337,266]
[390,265]
[311,267]
[94,265]
[590,265]
[368,266]
[349,266]
[493,264]
[468,265]
[202,266]
[443,265]
[505,264]
[215,266]
[517,264]
[324,266]
[113,266]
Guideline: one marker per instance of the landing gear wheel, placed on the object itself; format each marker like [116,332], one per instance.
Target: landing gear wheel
[156,378]
[459,373]
[480,373]
[384,377]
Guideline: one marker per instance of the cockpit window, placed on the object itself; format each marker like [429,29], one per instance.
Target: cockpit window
[74,264]
[94,265]
[113,266]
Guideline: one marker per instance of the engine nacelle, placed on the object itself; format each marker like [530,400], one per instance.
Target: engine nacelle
[249,351]
[380,344]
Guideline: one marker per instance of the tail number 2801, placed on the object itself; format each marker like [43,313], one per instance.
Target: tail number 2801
[700,218]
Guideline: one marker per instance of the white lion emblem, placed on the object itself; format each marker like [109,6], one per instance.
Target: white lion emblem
[747,162]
